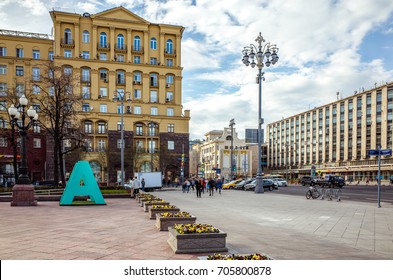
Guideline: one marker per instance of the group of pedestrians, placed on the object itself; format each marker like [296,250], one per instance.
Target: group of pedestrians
[135,184]
[202,185]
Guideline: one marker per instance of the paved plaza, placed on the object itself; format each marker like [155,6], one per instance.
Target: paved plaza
[282,226]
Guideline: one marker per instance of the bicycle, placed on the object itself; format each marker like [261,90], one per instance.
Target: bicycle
[337,194]
[313,193]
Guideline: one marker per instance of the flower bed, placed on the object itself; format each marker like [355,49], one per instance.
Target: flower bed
[157,209]
[169,219]
[148,199]
[145,196]
[149,204]
[238,257]
[196,238]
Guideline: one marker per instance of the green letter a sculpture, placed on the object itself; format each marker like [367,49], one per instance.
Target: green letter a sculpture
[82,183]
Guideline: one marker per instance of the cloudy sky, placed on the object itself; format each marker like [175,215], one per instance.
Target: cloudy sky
[325,47]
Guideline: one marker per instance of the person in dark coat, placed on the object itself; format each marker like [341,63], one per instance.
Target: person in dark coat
[198,188]
[212,185]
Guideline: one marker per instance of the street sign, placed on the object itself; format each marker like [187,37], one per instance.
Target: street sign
[385,152]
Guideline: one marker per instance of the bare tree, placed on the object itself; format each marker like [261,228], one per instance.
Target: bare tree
[59,103]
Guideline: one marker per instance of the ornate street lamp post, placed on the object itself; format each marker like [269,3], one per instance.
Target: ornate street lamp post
[23,191]
[119,96]
[153,126]
[260,55]
[231,124]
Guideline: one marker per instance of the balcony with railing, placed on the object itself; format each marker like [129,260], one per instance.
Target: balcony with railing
[137,50]
[170,53]
[146,150]
[121,48]
[67,43]
[103,47]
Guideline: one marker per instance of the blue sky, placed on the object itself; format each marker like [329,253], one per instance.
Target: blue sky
[325,47]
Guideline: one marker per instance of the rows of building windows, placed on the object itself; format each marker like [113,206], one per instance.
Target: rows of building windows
[140,129]
[103,46]
[329,135]
[120,43]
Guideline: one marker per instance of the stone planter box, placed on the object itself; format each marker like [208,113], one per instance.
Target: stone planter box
[162,223]
[147,205]
[143,199]
[138,198]
[197,242]
[153,212]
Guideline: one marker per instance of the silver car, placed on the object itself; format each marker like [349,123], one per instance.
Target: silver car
[279,182]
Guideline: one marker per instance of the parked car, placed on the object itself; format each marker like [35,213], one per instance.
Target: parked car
[267,184]
[308,180]
[280,182]
[331,181]
[231,184]
[241,184]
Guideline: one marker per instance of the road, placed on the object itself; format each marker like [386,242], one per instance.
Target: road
[363,193]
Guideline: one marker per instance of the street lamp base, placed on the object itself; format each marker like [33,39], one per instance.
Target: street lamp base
[23,195]
[259,189]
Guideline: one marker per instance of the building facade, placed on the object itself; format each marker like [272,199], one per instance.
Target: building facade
[214,155]
[336,138]
[115,53]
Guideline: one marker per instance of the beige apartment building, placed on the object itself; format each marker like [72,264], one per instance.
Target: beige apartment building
[212,157]
[115,53]
[336,138]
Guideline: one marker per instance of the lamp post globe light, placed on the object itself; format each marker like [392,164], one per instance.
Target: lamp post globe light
[119,96]
[260,55]
[23,191]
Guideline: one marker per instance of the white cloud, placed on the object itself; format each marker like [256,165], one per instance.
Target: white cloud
[195,56]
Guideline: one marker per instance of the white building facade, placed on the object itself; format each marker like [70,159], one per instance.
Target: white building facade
[214,155]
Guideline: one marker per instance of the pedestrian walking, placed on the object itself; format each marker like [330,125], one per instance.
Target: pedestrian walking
[203,185]
[219,185]
[188,184]
[143,184]
[212,185]
[198,188]
[136,184]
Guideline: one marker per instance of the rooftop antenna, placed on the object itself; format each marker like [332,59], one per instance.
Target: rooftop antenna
[338,94]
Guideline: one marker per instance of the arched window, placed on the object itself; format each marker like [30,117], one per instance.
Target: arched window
[229,138]
[137,43]
[169,79]
[153,43]
[137,77]
[154,80]
[88,126]
[85,36]
[120,42]
[67,36]
[120,77]
[103,40]
[169,46]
